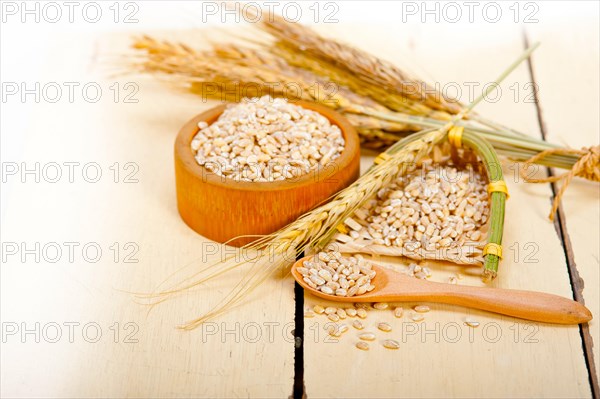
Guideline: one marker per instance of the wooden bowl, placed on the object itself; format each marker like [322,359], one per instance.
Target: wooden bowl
[221,208]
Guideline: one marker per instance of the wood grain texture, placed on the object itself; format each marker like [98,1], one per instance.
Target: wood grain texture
[441,356]
[221,209]
[567,65]
[247,353]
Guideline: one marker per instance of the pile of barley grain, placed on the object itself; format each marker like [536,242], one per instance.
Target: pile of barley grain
[430,208]
[265,139]
[333,274]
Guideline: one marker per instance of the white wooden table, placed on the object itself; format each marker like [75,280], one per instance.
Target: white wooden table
[69,329]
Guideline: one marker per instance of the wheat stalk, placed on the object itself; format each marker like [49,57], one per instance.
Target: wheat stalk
[312,230]
[230,72]
[370,70]
[370,76]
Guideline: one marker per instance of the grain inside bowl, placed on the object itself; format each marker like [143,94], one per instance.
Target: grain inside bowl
[267,139]
[225,209]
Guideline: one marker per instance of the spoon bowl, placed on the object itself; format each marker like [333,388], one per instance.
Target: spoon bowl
[391,286]
[381,281]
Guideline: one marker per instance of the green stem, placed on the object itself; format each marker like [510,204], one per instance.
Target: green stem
[497,199]
[519,148]
[503,75]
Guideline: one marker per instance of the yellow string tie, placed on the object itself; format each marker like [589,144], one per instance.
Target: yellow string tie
[492,249]
[455,136]
[498,187]
[381,158]
[342,229]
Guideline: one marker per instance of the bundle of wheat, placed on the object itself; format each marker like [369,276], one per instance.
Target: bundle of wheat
[383,102]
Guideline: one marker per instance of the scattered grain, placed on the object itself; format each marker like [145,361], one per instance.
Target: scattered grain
[391,344]
[417,317]
[362,313]
[367,336]
[333,317]
[357,324]
[398,312]
[318,309]
[472,323]
[362,345]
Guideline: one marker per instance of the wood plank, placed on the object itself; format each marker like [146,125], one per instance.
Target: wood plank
[504,357]
[247,352]
[566,71]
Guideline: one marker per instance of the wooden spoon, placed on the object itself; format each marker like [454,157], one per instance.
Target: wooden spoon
[391,286]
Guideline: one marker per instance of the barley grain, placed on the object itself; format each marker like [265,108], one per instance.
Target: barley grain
[325,289]
[471,323]
[432,208]
[362,313]
[362,345]
[391,344]
[398,312]
[367,336]
[333,317]
[417,317]
[333,274]
[358,325]
[255,139]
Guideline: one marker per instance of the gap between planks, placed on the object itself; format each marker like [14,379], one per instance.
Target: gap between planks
[577,283]
[298,391]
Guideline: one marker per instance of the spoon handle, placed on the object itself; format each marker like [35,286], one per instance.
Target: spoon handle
[536,306]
